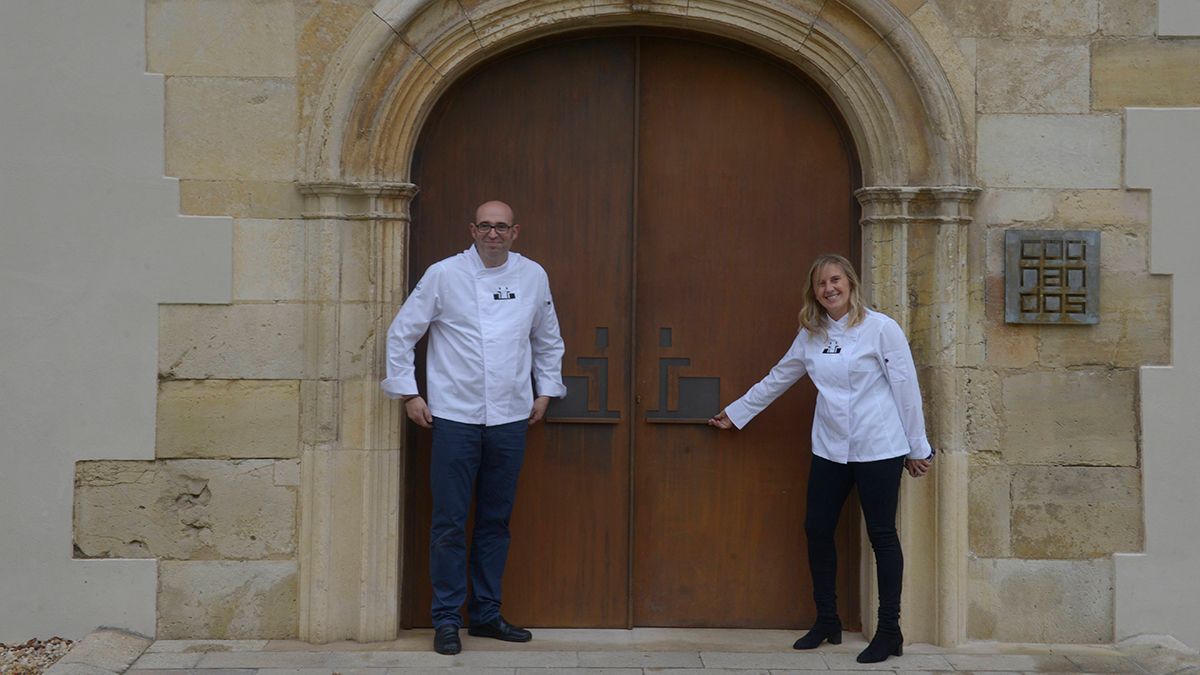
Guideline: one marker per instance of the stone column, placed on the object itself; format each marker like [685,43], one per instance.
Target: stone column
[352,459]
[915,269]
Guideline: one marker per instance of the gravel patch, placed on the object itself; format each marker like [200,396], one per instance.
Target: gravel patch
[32,656]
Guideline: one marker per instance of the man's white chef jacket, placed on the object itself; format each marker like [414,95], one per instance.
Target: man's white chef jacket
[868,399]
[493,334]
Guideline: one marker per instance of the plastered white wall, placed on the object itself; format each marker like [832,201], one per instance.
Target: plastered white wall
[90,243]
[1178,18]
[1156,591]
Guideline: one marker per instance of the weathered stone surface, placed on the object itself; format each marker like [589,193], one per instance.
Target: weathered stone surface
[1031,76]
[858,36]
[183,509]
[228,418]
[1125,251]
[1134,328]
[440,32]
[983,393]
[989,510]
[240,199]
[358,271]
[1128,17]
[357,340]
[263,341]
[1147,72]
[268,260]
[1006,346]
[319,402]
[1094,208]
[322,26]
[322,260]
[1076,511]
[1009,346]
[231,129]
[288,473]
[1070,417]
[1037,18]
[1003,207]
[233,600]
[957,57]
[908,7]
[221,37]
[1067,151]
[1015,600]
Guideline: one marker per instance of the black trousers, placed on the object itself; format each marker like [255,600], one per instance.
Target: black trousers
[878,484]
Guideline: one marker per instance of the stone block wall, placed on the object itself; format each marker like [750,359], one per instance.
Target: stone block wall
[1052,414]
[218,507]
[247,388]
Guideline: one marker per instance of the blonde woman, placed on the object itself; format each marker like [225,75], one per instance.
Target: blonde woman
[867,428]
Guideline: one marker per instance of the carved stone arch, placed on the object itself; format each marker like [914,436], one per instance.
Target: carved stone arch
[914,148]
[885,79]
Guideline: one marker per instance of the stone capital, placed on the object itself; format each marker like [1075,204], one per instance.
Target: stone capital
[940,204]
[357,200]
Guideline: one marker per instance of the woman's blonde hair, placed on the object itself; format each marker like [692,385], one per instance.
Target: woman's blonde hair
[812,314]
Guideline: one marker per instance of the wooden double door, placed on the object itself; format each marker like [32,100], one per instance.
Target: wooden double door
[675,190]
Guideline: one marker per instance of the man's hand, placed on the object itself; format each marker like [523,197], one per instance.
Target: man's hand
[418,412]
[721,421]
[539,409]
[917,467]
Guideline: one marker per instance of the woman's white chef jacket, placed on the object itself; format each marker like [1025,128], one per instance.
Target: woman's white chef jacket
[868,399]
[493,333]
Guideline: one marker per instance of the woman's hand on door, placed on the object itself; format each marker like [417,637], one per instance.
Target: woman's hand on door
[720,421]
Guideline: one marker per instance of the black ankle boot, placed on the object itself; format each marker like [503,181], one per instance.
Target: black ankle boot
[822,631]
[882,646]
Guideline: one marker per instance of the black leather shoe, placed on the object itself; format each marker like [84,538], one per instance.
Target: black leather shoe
[500,629]
[881,647]
[445,640]
[831,631]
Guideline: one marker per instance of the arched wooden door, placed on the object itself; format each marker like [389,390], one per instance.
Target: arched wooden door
[675,190]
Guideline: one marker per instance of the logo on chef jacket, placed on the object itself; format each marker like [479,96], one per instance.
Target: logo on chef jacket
[503,293]
[832,347]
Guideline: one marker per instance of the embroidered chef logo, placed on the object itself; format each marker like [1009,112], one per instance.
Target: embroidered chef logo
[832,347]
[503,293]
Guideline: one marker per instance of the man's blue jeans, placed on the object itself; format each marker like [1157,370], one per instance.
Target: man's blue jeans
[486,461]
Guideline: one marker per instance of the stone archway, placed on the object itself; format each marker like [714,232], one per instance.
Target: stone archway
[905,117]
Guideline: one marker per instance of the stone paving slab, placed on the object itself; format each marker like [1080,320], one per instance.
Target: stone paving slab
[215,671]
[104,650]
[178,646]
[1017,663]
[792,660]
[168,660]
[652,651]
[1104,663]
[640,660]
[923,662]
[257,660]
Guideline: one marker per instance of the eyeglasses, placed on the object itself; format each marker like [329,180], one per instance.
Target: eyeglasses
[500,228]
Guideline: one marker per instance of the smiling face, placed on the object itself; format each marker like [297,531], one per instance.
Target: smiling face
[490,241]
[831,286]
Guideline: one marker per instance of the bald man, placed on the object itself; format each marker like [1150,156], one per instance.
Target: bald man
[494,361]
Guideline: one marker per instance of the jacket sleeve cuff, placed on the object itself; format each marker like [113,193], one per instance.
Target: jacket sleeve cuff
[551,388]
[738,413]
[399,387]
[919,448]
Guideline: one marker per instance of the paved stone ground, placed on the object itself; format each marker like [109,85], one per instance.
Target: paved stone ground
[646,650]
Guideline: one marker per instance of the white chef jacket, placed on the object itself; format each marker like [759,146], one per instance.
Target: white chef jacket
[868,398]
[493,334]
